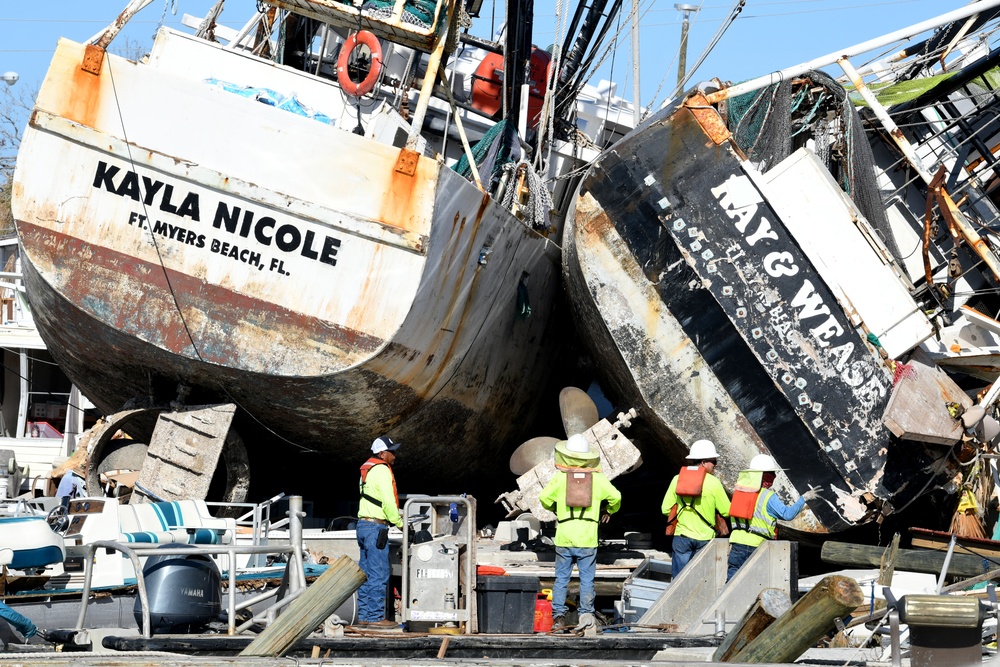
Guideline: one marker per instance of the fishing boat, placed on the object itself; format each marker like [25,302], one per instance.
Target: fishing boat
[791,264]
[341,221]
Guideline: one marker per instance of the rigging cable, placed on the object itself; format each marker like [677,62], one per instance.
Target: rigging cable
[166,275]
[733,14]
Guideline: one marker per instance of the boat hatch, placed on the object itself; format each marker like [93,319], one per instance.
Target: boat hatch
[845,251]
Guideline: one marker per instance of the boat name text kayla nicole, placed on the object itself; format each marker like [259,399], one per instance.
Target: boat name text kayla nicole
[265,229]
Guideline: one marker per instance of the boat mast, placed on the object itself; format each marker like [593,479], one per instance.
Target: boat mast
[637,111]
[517,60]
[582,52]
[950,209]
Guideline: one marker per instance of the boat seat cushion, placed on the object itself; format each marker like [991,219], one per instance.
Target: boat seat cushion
[178,521]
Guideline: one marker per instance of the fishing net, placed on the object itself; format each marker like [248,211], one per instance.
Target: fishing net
[769,124]
[891,94]
[498,147]
[415,12]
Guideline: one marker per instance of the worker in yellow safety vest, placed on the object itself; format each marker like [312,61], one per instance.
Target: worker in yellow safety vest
[696,505]
[576,494]
[756,509]
[378,509]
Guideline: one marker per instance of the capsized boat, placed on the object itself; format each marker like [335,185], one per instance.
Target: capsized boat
[774,268]
[276,223]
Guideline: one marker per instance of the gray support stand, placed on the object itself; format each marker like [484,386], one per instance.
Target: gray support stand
[699,599]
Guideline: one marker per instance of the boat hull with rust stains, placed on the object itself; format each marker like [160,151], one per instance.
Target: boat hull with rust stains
[335,287]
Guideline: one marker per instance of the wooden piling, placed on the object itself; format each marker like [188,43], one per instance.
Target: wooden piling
[309,610]
[910,560]
[805,623]
[771,604]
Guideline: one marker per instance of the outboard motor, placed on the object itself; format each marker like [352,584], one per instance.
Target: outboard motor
[185,592]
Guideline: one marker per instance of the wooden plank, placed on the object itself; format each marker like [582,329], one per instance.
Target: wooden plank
[965,583]
[888,564]
[805,623]
[309,610]
[374,650]
[917,407]
[938,540]
[910,560]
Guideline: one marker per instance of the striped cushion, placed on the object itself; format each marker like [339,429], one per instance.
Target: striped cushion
[179,521]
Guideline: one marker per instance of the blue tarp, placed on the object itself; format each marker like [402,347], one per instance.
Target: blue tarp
[271,98]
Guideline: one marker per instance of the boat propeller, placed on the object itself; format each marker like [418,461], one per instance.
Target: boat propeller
[578,412]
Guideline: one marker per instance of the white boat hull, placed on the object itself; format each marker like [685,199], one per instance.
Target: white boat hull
[334,287]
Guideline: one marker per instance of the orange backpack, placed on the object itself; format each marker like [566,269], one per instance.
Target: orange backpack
[689,485]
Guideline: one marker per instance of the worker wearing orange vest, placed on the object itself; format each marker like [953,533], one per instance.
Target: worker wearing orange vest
[693,499]
[378,509]
[756,509]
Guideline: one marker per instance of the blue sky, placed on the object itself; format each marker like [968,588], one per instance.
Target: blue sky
[768,35]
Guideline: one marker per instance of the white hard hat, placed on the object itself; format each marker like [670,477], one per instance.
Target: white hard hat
[764,463]
[577,444]
[703,449]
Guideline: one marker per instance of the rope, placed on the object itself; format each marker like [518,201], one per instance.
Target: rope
[536,209]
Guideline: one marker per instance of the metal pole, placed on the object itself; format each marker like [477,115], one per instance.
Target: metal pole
[967,231]
[426,89]
[637,111]
[297,579]
[879,42]
[947,562]
[682,62]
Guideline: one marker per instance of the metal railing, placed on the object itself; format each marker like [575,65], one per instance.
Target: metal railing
[294,569]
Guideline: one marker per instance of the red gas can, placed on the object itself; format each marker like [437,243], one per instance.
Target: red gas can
[543,613]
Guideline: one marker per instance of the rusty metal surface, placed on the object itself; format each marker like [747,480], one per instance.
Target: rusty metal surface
[93,59]
[407,162]
[648,361]
[711,122]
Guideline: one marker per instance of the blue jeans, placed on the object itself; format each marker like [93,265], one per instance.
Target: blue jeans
[684,549]
[586,563]
[374,563]
[738,554]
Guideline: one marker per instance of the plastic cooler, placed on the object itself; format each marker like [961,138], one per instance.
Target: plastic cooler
[506,604]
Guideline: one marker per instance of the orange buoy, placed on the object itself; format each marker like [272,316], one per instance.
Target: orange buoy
[487,81]
[353,43]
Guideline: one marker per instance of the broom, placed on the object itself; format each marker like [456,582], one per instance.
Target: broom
[965,522]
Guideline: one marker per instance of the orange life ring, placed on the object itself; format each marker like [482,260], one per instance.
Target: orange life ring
[358,39]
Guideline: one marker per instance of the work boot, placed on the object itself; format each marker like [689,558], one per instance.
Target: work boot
[587,624]
[559,624]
